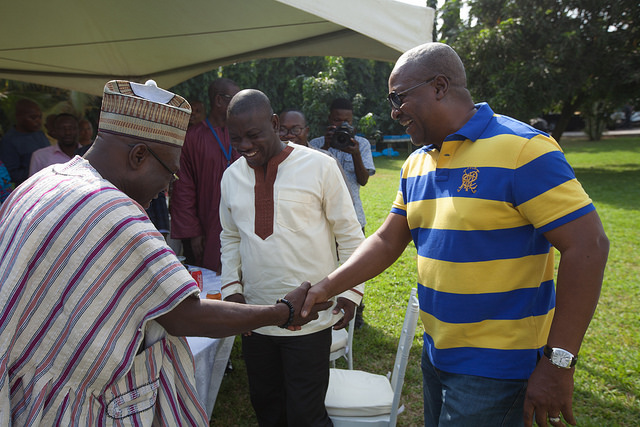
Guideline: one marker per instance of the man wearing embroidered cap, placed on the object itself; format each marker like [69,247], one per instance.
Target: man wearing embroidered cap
[92,301]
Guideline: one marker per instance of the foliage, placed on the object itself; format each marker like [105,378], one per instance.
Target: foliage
[308,84]
[451,24]
[367,125]
[433,4]
[318,92]
[527,58]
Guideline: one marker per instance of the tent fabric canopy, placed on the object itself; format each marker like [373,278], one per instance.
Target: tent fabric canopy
[80,44]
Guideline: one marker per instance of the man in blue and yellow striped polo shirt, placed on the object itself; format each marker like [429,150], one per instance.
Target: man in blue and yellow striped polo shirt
[485,199]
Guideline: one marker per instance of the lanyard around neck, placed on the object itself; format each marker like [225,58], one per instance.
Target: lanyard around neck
[227,155]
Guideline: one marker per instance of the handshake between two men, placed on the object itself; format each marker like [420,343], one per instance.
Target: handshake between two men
[297,300]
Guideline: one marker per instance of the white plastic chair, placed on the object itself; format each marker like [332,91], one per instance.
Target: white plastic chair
[358,398]
[342,343]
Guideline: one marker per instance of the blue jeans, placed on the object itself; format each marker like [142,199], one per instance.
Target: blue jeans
[468,400]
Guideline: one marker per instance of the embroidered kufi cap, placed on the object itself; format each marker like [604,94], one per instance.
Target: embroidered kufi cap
[144,111]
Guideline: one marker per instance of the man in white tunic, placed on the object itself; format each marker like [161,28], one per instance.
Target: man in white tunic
[283,209]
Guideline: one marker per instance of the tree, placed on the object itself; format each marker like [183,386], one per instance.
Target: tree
[451,23]
[564,56]
[433,4]
[309,84]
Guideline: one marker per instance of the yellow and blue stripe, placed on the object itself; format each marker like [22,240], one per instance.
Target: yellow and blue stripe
[478,209]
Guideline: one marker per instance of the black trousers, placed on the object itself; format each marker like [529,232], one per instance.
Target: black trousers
[288,378]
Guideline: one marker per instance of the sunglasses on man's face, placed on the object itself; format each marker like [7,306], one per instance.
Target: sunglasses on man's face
[395,98]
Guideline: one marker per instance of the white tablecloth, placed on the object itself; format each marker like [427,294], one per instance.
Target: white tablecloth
[210,354]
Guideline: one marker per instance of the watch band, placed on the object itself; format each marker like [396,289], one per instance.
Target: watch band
[560,357]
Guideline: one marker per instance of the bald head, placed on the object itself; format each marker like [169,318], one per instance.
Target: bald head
[428,93]
[253,128]
[250,101]
[435,58]
[293,127]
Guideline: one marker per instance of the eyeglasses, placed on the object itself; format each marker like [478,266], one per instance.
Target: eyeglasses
[296,130]
[224,95]
[174,176]
[395,99]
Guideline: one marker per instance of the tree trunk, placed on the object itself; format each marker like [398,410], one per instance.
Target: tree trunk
[595,120]
[563,121]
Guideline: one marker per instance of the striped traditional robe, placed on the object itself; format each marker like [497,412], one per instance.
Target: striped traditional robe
[82,274]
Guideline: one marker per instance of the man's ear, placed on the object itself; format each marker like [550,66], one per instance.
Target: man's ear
[137,156]
[441,84]
[275,122]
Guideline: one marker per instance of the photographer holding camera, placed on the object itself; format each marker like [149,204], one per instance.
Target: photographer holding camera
[353,153]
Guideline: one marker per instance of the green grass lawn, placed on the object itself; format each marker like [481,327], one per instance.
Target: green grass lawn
[607,382]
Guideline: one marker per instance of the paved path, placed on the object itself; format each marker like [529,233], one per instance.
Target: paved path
[617,132]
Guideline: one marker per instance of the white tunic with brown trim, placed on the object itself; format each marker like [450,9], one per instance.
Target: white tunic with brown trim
[281,228]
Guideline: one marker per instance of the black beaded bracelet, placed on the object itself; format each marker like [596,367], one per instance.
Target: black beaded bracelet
[291,312]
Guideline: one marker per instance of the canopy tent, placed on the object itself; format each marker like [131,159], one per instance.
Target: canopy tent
[81,44]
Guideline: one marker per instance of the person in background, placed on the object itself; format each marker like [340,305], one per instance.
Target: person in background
[85,132]
[49,127]
[293,127]
[93,304]
[66,131]
[198,113]
[22,140]
[283,208]
[355,159]
[85,137]
[195,198]
[628,112]
[487,200]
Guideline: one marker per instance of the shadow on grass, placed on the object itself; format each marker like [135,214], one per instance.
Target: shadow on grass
[374,351]
[602,411]
[616,187]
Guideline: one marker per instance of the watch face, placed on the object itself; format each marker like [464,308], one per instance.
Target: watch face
[560,357]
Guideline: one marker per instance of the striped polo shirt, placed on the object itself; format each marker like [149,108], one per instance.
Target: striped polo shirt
[477,210]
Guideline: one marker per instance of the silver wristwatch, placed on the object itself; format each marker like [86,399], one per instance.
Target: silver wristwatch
[560,357]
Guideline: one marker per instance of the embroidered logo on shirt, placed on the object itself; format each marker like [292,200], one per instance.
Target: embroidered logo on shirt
[469,179]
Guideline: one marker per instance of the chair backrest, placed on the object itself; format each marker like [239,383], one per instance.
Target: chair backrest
[352,328]
[402,355]
[360,398]
[343,336]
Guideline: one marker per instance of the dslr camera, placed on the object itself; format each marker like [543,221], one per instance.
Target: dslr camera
[342,135]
